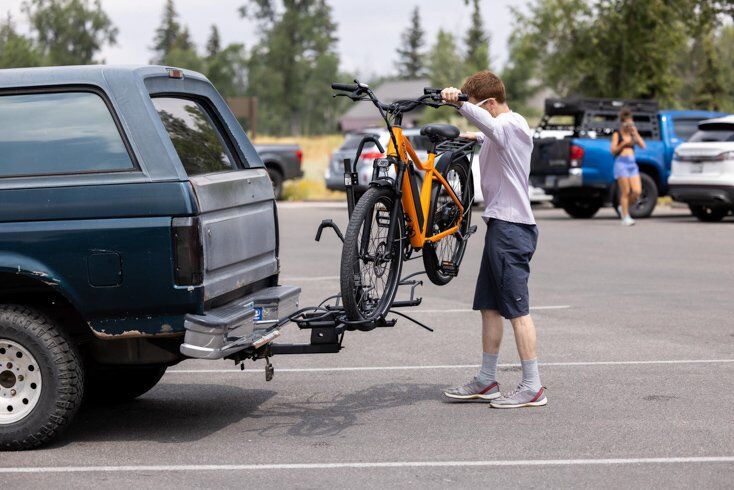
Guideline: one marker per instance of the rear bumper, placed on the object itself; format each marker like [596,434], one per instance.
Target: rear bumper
[553,183]
[245,322]
[710,195]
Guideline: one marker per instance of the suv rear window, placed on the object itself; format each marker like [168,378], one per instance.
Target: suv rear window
[198,142]
[59,133]
[351,142]
[721,133]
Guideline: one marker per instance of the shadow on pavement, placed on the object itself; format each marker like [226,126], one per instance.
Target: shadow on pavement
[171,413]
[320,415]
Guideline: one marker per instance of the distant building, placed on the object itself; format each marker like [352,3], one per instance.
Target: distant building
[364,114]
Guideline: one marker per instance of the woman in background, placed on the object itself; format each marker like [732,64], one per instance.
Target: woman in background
[626,170]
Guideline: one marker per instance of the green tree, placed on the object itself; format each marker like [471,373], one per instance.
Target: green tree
[709,88]
[444,61]
[69,32]
[172,37]
[411,60]
[519,74]
[477,42]
[227,68]
[214,43]
[16,50]
[292,64]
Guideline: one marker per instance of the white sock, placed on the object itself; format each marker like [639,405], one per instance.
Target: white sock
[488,374]
[530,375]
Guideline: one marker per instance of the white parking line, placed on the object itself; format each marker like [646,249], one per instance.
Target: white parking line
[301,279]
[451,366]
[469,310]
[362,465]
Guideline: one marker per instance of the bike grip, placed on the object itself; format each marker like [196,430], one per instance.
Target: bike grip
[463,98]
[348,87]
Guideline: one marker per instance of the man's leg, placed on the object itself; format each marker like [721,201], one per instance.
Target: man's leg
[525,339]
[491,340]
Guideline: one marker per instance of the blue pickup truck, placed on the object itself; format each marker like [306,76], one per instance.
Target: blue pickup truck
[138,228]
[572,161]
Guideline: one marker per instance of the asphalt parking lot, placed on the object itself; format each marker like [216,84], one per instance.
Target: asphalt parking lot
[636,341]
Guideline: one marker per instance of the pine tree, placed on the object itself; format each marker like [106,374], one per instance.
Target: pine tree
[69,32]
[16,50]
[410,62]
[444,61]
[214,43]
[477,43]
[709,89]
[170,35]
[292,64]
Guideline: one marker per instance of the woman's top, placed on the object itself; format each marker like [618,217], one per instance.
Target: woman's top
[623,143]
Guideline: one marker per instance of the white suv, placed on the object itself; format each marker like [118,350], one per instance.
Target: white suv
[702,173]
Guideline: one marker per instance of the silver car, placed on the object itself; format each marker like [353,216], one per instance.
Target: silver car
[334,176]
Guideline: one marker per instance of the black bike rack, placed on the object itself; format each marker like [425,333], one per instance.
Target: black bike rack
[328,321]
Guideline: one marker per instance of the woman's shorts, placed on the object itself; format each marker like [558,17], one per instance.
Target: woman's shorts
[502,284]
[625,166]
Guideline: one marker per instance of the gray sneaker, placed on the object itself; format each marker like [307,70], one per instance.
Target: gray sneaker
[521,398]
[474,390]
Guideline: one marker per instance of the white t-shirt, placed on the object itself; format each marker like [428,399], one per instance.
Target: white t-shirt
[504,163]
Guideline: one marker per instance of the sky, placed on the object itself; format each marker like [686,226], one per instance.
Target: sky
[368,31]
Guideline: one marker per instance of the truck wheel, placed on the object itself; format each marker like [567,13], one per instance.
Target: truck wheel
[41,379]
[708,214]
[120,384]
[645,205]
[277,179]
[581,208]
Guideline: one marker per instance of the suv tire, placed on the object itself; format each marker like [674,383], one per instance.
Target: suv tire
[580,208]
[41,379]
[708,214]
[645,205]
[277,179]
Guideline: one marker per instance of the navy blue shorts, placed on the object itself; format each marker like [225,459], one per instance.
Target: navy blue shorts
[502,284]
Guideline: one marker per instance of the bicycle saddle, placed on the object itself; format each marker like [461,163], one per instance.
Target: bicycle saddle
[440,132]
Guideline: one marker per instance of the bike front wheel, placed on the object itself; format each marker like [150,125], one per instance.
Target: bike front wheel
[370,266]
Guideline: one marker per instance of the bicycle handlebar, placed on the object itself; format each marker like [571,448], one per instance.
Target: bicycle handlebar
[346,87]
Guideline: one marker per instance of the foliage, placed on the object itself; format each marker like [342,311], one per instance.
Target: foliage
[69,32]
[170,36]
[16,50]
[411,59]
[621,48]
[292,64]
[477,42]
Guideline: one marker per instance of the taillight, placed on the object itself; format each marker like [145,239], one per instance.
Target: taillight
[188,252]
[299,156]
[577,155]
[371,155]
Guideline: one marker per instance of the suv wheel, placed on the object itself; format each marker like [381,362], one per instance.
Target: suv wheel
[41,379]
[120,384]
[708,214]
[580,207]
[645,205]
[277,179]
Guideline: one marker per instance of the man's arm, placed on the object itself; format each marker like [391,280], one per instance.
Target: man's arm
[488,125]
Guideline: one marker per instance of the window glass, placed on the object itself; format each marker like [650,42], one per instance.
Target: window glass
[684,128]
[59,133]
[720,134]
[198,143]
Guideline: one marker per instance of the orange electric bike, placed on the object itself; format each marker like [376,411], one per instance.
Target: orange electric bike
[410,206]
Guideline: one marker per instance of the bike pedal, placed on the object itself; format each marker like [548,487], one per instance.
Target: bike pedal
[449,268]
[472,229]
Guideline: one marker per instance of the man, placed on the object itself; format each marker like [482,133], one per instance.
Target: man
[509,243]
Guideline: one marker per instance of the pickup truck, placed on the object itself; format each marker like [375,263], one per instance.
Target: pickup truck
[283,162]
[576,166]
[138,228]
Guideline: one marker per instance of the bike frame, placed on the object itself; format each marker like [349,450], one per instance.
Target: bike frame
[416,201]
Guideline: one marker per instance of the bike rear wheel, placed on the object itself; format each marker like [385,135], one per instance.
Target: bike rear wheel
[442,258]
[370,267]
